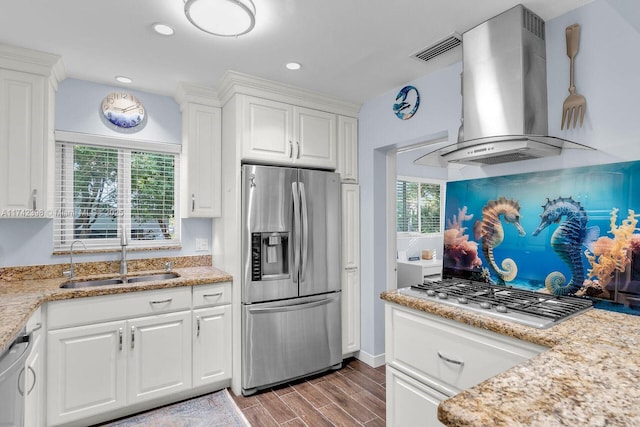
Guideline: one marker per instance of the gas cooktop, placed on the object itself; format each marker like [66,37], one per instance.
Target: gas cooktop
[517,305]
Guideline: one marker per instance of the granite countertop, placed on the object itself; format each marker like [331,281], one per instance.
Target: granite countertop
[588,377]
[20,298]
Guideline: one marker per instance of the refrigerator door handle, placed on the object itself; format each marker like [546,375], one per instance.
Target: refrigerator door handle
[296,231]
[305,231]
[286,308]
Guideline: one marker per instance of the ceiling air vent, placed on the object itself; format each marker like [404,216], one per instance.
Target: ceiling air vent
[446,44]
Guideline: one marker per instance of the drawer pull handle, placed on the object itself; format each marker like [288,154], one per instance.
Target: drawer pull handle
[120,339]
[217,294]
[133,337]
[163,301]
[447,359]
[198,326]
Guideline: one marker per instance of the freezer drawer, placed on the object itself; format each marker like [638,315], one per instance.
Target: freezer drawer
[288,339]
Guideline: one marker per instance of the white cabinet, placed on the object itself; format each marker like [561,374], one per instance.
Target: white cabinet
[28,81]
[159,359]
[280,133]
[410,403]
[85,371]
[211,334]
[108,352]
[33,373]
[414,272]
[348,149]
[201,155]
[350,268]
[442,357]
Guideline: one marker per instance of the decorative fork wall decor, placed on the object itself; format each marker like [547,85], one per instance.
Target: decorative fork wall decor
[574,104]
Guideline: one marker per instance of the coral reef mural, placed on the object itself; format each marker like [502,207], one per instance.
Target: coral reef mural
[490,231]
[558,249]
[567,241]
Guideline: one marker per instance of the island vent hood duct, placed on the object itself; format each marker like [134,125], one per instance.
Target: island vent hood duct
[504,92]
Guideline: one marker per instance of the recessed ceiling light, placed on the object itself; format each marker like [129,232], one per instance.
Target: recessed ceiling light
[163,29]
[293,66]
[124,79]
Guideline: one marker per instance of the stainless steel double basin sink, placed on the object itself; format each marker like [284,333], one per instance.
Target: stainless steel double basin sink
[85,283]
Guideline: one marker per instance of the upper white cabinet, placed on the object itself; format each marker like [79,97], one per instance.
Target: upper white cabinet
[348,149]
[281,133]
[201,151]
[28,81]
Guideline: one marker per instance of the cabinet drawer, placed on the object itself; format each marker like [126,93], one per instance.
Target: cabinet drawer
[111,307]
[447,354]
[213,294]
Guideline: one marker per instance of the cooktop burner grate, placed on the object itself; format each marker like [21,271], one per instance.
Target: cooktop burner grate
[520,305]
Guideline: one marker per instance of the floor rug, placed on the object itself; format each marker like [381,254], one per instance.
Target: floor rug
[211,410]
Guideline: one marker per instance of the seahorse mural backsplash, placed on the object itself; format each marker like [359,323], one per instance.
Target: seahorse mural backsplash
[565,232]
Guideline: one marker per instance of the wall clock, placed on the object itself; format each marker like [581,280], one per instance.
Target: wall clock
[123,110]
[407,102]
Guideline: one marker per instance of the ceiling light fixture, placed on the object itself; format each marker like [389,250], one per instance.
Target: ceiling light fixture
[124,79]
[163,29]
[293,66]
[228,18]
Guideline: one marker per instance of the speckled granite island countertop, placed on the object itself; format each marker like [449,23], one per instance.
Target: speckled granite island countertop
[20,298]
[590,376]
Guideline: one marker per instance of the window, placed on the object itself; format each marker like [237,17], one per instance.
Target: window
[102,190]
[418,206]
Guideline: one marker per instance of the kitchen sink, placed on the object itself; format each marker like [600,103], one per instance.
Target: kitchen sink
[88,283]
[150,277]
[118,280]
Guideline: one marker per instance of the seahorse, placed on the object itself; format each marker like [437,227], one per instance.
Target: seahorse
[567,241]
[492,234]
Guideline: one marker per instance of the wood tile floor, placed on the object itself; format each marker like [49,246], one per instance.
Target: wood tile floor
[351,396]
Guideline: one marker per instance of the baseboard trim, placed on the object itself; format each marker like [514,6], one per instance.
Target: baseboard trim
[369,359]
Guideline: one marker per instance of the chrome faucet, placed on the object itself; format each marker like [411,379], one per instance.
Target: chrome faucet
[123,249]
[69,273]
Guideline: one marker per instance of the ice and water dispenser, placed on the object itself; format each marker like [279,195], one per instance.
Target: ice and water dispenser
[269,256]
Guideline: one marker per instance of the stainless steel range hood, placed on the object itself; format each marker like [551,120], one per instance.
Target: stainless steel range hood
[504,88]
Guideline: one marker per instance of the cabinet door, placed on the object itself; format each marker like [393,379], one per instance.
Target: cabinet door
[85,371]
[350,268]
[348,148]
[315,143]
[22,142]
[202,149]
[350,311]
[410,403]
[159,361]
[350,225]
[267,131]
[211,345]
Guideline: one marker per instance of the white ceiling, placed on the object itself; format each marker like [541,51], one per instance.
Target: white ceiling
[350,49]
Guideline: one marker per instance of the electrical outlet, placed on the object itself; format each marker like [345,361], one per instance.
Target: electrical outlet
[202,244]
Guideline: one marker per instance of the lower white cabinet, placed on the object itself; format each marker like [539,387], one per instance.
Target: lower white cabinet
[212,345]
[112,355]
[431,358]
[411,403]
[86,368]
[159,359]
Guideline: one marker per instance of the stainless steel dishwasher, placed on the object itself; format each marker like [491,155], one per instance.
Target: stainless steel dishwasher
[12,381]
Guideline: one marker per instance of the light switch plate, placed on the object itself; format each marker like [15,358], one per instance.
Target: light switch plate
[202,244]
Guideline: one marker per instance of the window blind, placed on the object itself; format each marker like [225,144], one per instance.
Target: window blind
[418,207]
[103,192]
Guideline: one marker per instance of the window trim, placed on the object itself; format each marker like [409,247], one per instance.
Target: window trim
[421,180]
[131,145]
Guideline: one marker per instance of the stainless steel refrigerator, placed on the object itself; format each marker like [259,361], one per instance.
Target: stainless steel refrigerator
[291,242]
